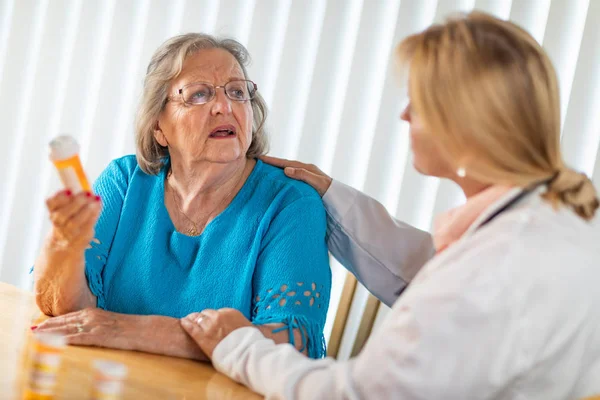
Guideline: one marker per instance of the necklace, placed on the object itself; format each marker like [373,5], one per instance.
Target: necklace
[193,230]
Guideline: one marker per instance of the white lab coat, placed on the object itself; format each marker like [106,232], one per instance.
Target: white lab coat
[383,253]
[510,311]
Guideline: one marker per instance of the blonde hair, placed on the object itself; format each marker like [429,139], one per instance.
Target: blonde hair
[488,93]
[166,64]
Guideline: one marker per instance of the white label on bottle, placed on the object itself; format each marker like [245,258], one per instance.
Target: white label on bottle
[70,180]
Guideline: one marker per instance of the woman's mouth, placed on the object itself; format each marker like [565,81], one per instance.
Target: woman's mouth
[223,132]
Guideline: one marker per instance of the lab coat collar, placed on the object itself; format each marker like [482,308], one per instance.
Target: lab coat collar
[513,196]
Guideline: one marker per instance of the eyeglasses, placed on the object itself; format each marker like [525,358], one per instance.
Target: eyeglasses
[197,93]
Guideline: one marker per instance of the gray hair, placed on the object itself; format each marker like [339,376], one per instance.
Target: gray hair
[166,64]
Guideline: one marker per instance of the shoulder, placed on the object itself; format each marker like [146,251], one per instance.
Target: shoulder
[121,174]
[120,168]
[271,181]
[534,228]
[126,165]
[123,169]
[526,248]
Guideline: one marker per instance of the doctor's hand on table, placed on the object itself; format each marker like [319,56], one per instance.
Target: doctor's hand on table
[307,173]
[209,327]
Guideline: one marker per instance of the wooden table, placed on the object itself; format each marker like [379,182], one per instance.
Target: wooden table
[150,376]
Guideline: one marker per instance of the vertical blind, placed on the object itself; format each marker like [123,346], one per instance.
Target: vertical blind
[325,68]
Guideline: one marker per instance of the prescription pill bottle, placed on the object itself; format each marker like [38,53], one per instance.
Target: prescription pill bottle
[64,153]
[43,364]
[108,380]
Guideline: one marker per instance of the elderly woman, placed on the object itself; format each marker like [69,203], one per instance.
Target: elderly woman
[509,306]
[192,222]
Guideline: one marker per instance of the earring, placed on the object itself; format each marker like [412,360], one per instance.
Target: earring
[461,172]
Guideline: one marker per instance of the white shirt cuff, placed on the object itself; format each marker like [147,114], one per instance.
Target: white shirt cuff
[224,355]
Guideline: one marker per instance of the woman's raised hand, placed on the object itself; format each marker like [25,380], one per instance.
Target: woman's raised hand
[73,218]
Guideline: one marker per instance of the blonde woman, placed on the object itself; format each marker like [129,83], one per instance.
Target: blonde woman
[194,221]
[509,306]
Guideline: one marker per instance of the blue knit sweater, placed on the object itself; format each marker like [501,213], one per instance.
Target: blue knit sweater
[264,255]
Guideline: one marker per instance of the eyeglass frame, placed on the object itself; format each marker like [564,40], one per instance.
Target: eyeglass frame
[180,92]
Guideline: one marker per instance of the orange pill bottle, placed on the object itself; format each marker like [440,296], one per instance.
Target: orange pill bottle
[64,153]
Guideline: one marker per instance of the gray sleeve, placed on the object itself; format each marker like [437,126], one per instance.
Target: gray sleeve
[383,253]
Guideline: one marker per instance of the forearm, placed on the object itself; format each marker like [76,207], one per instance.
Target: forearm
[60,283]
[382,252]
[164,335]
[271,370]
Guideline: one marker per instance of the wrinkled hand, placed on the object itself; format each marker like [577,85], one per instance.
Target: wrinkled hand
[209,327]
[307,173]
[73,218]
[93,327]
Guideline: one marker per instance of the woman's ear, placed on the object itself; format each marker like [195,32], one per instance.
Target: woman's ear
[159,135]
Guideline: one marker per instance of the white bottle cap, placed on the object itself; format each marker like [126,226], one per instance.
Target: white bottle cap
[110,369]
[63,147]
[51,339]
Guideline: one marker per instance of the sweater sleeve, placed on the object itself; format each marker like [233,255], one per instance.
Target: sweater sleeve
[383,253]
[292,280]
[111,186]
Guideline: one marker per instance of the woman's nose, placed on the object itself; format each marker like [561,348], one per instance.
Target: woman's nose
[221,103]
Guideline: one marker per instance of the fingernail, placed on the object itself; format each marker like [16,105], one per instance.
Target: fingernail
[68,192]
[34,327]
[88,194]
[97,198]
[290,170]
[186,322]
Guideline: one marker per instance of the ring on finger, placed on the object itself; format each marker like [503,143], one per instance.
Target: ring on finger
[79,327]
[199,319]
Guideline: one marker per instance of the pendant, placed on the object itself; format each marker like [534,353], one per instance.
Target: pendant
[193,231]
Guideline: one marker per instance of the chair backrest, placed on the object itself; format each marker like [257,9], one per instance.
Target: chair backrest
[354,320]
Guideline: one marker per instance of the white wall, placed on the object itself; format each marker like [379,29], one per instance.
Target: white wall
[323,66]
